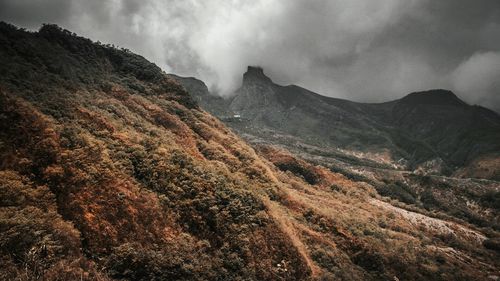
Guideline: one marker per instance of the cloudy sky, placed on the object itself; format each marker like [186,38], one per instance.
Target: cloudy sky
[362,50]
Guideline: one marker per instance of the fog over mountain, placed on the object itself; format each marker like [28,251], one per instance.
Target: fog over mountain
[362,50]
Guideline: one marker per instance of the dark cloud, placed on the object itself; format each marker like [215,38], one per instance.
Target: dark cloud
[363,50]
[31,13]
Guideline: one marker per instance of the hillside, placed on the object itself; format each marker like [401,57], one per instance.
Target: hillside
[414,132]
[110,170]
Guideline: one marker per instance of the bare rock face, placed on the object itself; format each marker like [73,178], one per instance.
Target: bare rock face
[255,74]
[256,99]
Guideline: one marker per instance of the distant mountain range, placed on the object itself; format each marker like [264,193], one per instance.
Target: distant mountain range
[432,130]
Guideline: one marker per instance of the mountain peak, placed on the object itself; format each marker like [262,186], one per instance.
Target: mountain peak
[433,97]
[255,74]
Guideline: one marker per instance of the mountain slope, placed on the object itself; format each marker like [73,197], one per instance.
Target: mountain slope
[138,182]
[109,170]
[457,132]
[414,131]
[297,111]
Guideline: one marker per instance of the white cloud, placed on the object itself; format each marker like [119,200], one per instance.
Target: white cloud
[358,49]
[216,39]
[479,78]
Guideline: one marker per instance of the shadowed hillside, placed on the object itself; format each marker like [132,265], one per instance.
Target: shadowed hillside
[109,170]
[433,131]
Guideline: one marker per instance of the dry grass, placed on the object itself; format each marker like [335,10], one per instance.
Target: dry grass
[111,171]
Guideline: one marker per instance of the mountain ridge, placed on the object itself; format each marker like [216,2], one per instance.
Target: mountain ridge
[431,96]
[413,124]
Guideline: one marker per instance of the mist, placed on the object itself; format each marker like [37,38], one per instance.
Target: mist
[363,50]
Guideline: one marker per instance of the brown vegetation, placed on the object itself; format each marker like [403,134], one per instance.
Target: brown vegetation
[109,170]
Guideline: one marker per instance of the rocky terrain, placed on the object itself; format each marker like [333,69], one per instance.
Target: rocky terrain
[433,131]
[111,170]
[433,151]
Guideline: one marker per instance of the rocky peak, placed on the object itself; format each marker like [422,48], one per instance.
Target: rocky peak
[255,74]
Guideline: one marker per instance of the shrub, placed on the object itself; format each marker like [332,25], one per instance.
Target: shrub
[399,191]
[492,244]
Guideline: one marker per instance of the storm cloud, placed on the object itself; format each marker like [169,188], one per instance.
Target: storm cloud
[361,50]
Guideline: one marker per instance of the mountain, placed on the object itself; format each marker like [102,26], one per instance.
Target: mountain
[421,128]
[111,170]
[199,91]
[458,133]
